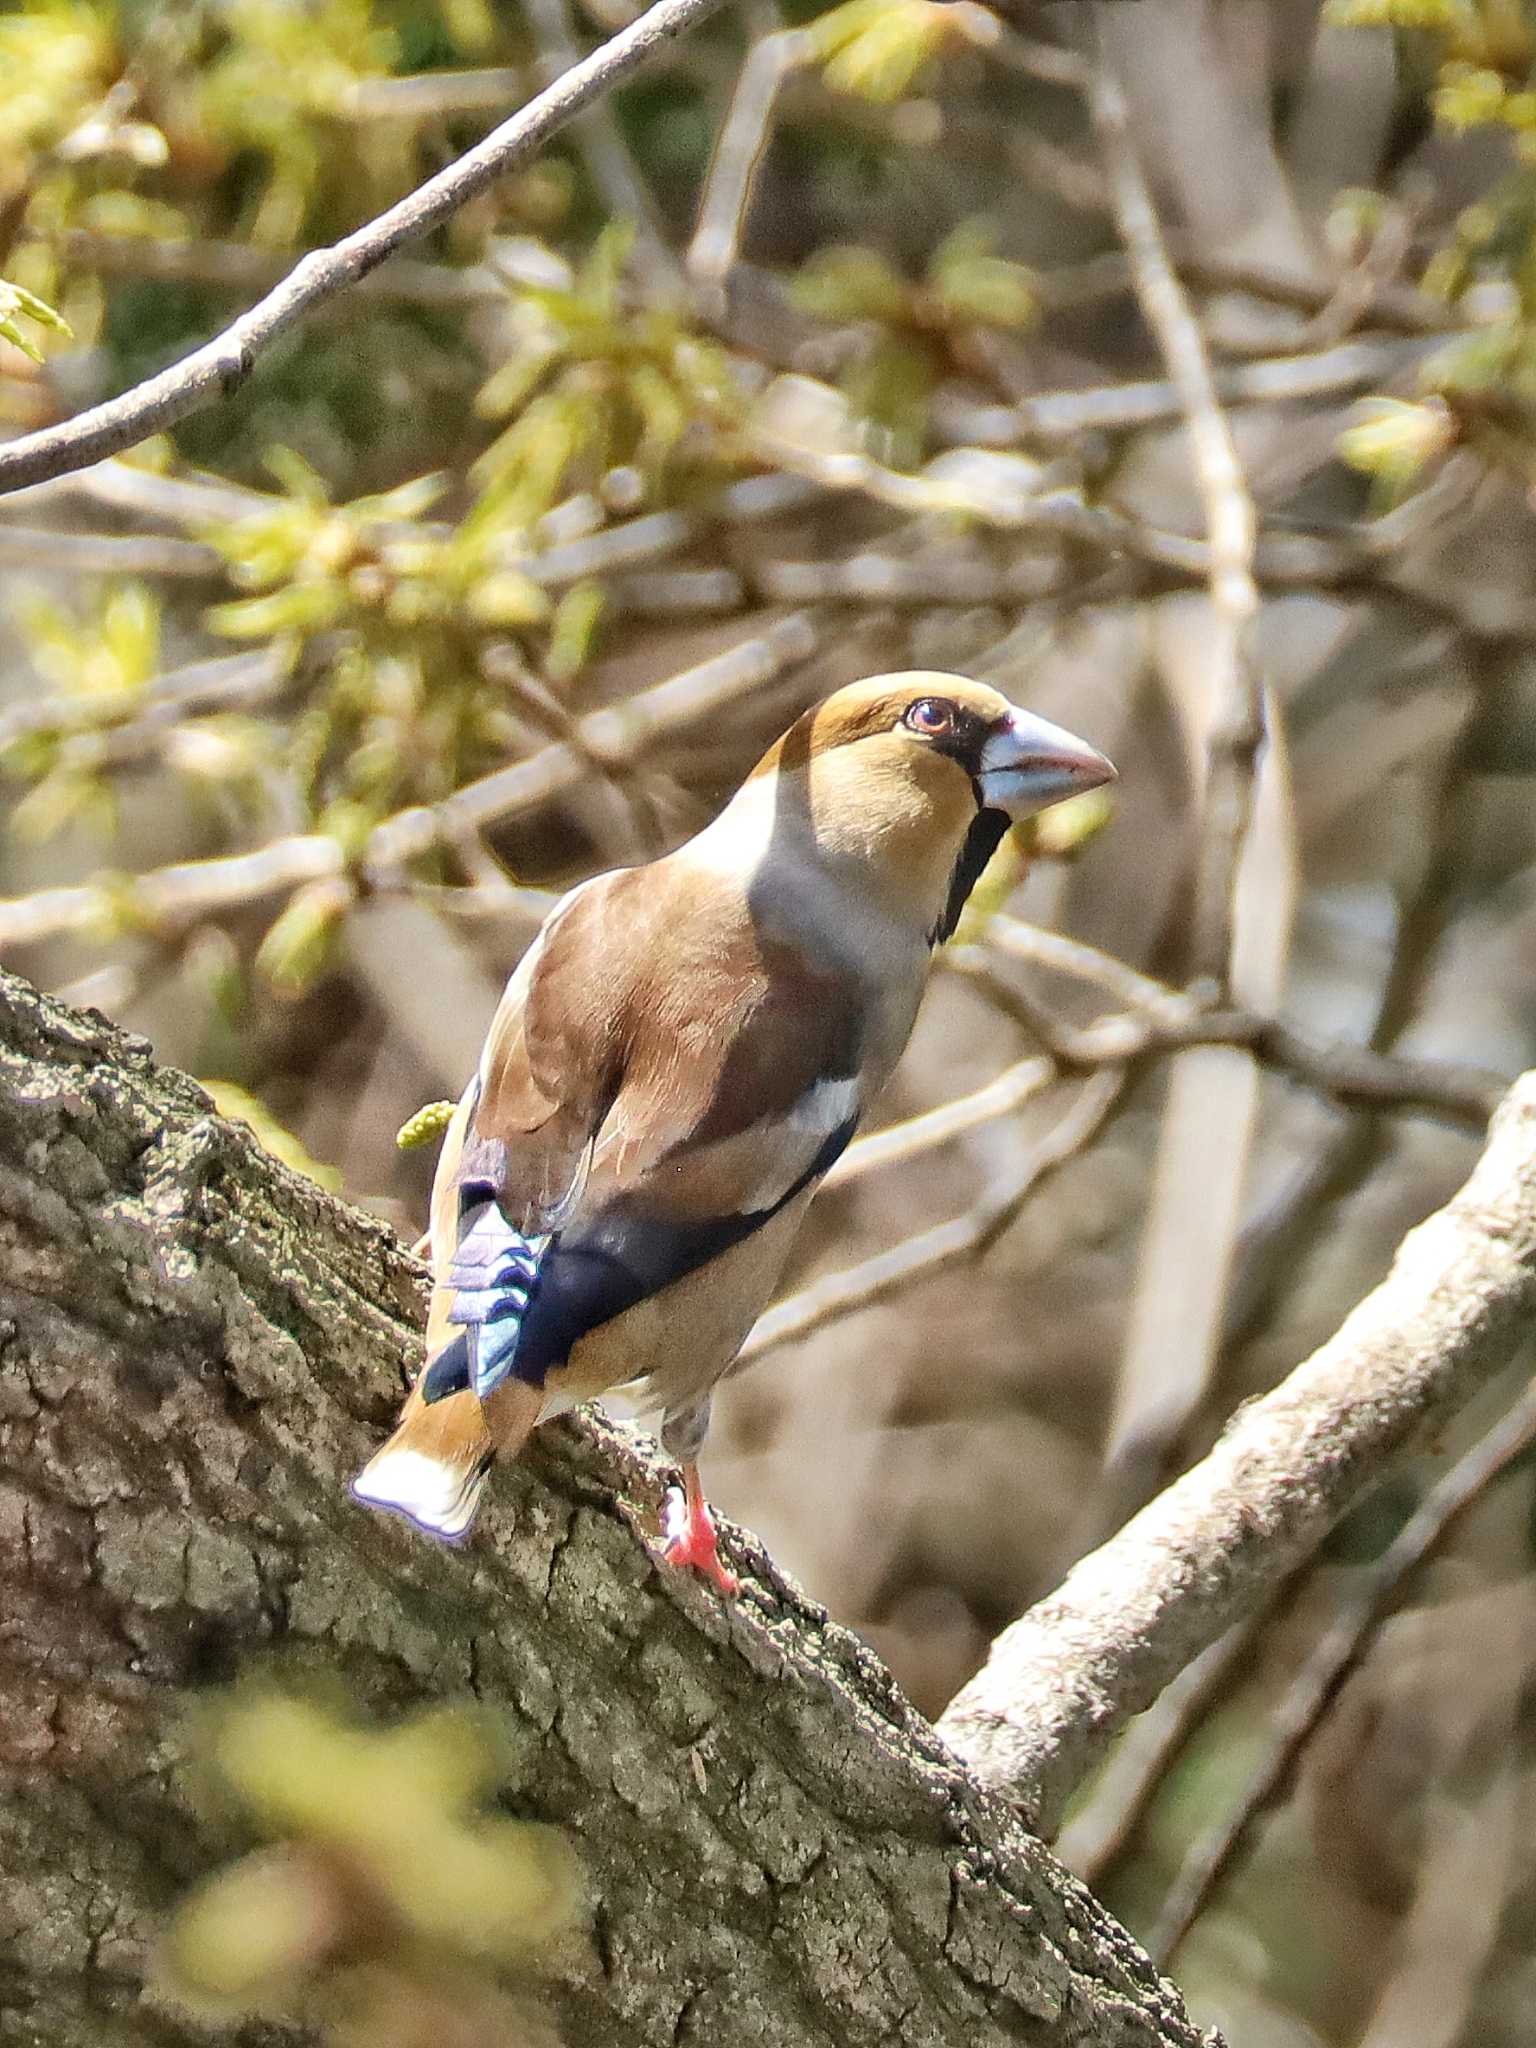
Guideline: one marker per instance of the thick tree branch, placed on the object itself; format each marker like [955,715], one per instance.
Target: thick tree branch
[1339,1650]
[196,1349]
[220,366]
[1459,1298]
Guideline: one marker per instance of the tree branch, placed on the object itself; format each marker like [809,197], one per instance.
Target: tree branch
[220,366]
[1460,1297]
[1364,1603]
[199,1347]
[613,736]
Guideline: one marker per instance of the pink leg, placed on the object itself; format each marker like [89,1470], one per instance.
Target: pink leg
[690,1532]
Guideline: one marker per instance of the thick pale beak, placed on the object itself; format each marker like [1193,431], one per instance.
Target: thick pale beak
[1029,764]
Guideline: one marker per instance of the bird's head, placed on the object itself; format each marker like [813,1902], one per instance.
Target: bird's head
[920,774]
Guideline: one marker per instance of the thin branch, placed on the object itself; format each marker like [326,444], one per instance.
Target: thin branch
[739,151]
[432,95]
[1101,1830]
[1039,947]
[1243,851]
[1397,308]
[1456,1305]
[226,682]
[223,364]
[1348,1637]
[975,484]
[965,1237]
[105,554]
[237,267]
[614,736]
[1166,1021]
[1238,728]
[1048,63]
[1059,417]
[1015,1086]
[612,168]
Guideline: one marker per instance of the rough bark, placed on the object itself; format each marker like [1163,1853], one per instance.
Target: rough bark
[196,1349]
[1062,1681]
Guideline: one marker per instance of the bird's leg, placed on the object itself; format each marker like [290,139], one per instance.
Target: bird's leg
[689,1529]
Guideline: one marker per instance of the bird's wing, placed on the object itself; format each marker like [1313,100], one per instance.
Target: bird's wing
[660,1082]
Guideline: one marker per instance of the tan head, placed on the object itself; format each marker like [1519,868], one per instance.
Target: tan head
[918,775]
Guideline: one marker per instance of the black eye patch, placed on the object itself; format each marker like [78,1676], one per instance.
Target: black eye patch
[950,729]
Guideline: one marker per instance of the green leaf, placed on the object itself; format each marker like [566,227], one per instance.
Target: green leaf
[971,284]
[18,304]
[1441,14]
[573,629]
[1393,441]
[852,284]
[295,608]
[67,797]
[508,389]
[130,632]
[1468,96]
[298,943]
[298,478]
[889,46]
[507,598]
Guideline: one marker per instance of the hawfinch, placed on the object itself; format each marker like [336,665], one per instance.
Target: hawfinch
[679,1058]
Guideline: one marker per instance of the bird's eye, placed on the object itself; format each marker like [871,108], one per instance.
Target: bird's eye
[930,716]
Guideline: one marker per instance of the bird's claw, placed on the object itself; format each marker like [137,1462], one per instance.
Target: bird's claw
[689,1533]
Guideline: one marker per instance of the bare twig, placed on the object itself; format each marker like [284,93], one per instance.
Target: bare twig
[1048,63]
[1060,417]
[1459,1300]
[223,364]
[1015,1086]
[946,1244]
[236,267]
[224,683]
[613,736]
[738,152]
[1194,1214]
[1096,1836]
[104,554]
[1230,529]
[1469,1859]
[1360,1611]
[1396,308]
[1062,954]
[601,141]
[430,95]
[1165,1021]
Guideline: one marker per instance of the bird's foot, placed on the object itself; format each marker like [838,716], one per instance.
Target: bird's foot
[689,1530]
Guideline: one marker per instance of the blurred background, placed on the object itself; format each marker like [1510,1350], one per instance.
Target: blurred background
[817,351]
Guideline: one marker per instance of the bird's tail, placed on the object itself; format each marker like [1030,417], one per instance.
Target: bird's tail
[434,1468]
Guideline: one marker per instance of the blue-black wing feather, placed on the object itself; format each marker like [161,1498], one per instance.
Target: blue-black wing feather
[523,1304]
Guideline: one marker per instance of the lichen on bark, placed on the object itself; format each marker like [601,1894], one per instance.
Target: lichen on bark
[197,1348]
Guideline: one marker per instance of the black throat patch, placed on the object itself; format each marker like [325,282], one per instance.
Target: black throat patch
[982,840]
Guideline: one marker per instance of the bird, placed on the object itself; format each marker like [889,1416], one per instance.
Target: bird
[677,1061]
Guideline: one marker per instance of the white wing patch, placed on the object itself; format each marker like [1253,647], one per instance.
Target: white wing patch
[788,1144]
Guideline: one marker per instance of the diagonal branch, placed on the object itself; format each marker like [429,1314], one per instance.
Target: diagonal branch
[199,1346]
[1361,1610]
[1458,1301]
[613,736]
[221,365]
[1243,886]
